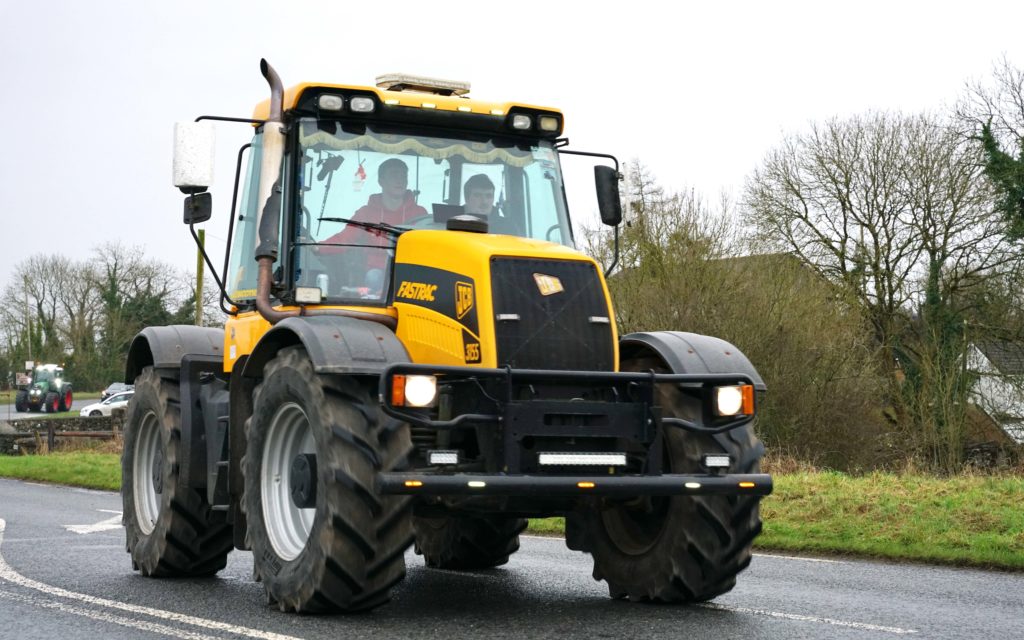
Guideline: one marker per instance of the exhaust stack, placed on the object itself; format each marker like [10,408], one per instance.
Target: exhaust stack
[270,198]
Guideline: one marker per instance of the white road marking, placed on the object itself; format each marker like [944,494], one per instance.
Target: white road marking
[800,558]
[779,614]
[142,625]
[864,626]
[10,575]
[106,525]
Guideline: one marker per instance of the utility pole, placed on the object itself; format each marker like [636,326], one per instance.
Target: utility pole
[28,321]
[199,277]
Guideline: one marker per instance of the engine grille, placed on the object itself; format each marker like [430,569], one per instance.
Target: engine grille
[570,329]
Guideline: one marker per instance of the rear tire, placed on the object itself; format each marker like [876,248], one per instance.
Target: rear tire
[21,401]
[66,399]
[472,542]
[322,538]
[679,548]
[170,529]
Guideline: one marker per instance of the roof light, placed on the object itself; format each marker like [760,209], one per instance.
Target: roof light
[391,101]
[465,108]
[361,104]
[548,123]
[521,121]
[497,112]
[746,485]
[330,102]
[429,105]
[583,484]
[414,483]
[422,84]
[692,485]
[476,484]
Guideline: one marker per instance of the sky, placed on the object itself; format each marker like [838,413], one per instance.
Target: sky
[698,92]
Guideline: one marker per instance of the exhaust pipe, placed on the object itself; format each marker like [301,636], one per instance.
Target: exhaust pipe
[270,198]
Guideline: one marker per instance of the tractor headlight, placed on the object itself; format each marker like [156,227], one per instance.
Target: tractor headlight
[734,400]
[413,391]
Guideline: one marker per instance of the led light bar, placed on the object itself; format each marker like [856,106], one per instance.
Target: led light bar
[442,457]
[716,460]
[559,458]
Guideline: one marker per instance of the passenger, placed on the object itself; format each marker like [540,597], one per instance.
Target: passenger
[479,195]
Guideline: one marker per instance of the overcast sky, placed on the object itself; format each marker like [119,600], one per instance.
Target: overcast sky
[698,91]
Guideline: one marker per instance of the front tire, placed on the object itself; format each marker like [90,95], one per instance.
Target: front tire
[170,529]
[21,401]
[471,542]
[679,548]
[322,538]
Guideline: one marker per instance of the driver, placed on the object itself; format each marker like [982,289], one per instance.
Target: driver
[394,205]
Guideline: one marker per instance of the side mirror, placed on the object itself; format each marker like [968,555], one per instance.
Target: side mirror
[193,156]
[198,208]
[608,203]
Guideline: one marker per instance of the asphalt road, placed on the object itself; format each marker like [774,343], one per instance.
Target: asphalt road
[8,412]
[64,573]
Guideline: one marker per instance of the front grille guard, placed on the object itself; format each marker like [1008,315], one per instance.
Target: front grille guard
[635,391]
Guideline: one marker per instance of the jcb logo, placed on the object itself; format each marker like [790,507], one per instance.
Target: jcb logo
[473,352]
[463,300]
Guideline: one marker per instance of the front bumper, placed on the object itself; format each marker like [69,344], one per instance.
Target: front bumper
[755,484]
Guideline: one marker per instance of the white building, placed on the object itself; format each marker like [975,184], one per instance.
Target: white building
[999,391]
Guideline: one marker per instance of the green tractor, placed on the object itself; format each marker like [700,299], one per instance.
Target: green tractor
[48,391]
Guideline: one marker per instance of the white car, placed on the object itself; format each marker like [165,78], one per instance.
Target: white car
[106,407]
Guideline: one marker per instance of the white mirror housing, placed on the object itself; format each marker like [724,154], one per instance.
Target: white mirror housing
[193,156]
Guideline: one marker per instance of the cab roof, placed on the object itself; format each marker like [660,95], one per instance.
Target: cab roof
[414,99]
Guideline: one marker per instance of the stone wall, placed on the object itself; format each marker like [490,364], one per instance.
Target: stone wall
[18,436]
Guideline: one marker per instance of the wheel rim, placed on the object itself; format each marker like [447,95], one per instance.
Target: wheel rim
[635,530]
[287,525]
[147,474]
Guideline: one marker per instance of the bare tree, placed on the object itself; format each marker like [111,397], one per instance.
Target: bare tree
[683,270]
[893,207]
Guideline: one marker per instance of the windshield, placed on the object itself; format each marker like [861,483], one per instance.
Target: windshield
[359,189]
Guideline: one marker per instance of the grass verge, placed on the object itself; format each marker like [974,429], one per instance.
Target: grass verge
[89,469]
[969,520]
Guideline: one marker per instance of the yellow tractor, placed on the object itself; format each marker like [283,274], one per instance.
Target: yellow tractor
[416,354]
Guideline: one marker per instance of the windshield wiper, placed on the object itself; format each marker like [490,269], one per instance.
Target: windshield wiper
[376,226]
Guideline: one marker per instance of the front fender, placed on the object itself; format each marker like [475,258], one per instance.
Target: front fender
[335,344]
[691,353]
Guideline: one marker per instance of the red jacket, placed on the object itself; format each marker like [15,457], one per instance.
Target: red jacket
[374,211]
